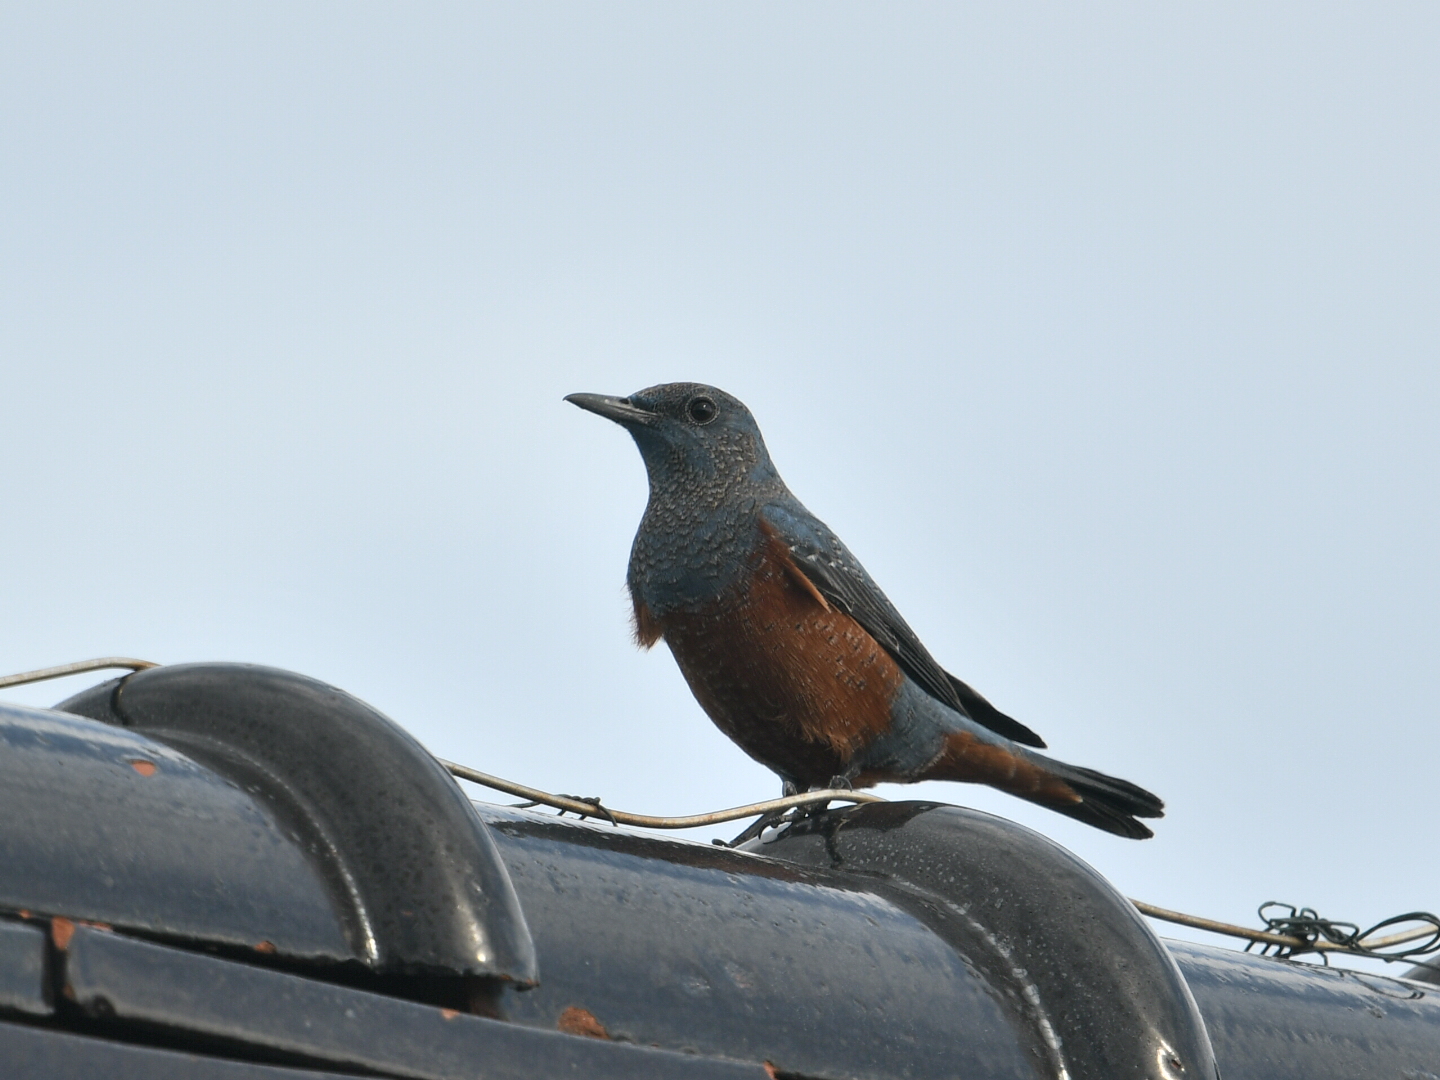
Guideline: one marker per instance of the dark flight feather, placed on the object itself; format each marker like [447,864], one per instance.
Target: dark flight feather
[845,584]
[985,714]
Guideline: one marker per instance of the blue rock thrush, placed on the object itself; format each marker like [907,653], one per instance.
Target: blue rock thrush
[789,645]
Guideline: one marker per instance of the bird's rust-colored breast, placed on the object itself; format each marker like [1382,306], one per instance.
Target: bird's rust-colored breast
[797,683]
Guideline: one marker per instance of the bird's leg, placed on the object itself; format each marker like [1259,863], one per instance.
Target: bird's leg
[764,821]
[838,782]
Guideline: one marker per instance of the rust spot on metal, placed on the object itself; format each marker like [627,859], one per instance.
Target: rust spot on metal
[61,931]
[143,767]
[265,947]
[24,913]
[578,1021]
[449,1014]
[770,1071]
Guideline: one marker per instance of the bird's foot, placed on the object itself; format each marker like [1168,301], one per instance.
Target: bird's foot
[593,800]
[758,826]
[835,783]
[788,788]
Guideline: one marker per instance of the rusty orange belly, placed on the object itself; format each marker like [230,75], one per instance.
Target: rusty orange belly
[799,685]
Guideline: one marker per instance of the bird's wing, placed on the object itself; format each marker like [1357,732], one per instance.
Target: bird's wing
[843,582]
[986,715]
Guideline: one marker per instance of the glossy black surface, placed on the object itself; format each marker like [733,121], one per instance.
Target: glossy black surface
[120,982]
[180,852]
[24,982]
[1281,1020]
[43,1054]
[414,873]
[284,828]
[1428,972]
[701,948]
[1104,989]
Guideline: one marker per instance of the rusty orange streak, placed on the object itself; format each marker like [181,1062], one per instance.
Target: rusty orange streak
[647,628]
[969,760]
[61,931]
[577,1021]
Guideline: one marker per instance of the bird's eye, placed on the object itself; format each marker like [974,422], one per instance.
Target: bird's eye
[701,409]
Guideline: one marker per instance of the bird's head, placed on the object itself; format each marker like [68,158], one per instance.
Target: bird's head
[693,437]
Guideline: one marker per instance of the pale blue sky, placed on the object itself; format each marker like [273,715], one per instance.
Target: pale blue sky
[1105,335]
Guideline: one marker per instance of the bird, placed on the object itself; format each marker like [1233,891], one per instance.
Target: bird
[788,644]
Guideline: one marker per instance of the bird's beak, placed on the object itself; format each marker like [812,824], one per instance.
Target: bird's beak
[618,409]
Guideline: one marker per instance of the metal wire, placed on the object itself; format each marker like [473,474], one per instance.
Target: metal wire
[1301,930]
[1318,934]
[76,668]
[1214,926]
[593,808]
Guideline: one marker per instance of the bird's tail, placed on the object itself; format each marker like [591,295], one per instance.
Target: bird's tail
[1086,795]
[1105,802]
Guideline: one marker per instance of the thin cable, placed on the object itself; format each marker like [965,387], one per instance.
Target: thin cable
[1308,932]
[593,808]
[1216,927]
[76,668]
[1320,934]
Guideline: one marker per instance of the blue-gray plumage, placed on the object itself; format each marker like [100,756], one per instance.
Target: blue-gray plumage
[788,644]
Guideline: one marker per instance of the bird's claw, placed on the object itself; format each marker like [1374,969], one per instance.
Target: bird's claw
[593,800]
[835,783]
[786,817]
[756,827]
